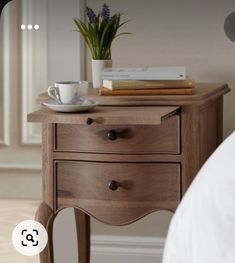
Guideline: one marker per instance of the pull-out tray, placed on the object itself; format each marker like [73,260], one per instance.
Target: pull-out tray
[108,115]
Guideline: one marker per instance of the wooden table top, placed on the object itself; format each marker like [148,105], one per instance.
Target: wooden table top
[201,94]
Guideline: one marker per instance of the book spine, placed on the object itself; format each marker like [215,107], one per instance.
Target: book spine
[181,91]
[119,85]
[142,76]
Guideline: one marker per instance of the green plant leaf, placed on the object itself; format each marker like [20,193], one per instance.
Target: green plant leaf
[100,34]
[123,33]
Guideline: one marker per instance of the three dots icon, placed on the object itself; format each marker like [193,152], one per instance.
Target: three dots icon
[29,27]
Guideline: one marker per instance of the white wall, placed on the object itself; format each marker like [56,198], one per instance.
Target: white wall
[65,62]
[168,32]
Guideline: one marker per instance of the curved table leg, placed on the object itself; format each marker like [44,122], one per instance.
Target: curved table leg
[83,236]
[45,216]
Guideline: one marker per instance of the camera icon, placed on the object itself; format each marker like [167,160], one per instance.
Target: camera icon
[29,237]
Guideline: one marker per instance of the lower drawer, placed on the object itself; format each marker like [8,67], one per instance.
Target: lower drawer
[117,193]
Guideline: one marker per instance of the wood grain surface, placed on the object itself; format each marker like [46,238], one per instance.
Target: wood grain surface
[45,216]
[47,164]
[143,188]
[147,149]
[83,236]
[202,93]
[107,116]
[132,139]
[211,123]
[117,158]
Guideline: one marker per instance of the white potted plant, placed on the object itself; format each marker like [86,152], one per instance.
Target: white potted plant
[99,33]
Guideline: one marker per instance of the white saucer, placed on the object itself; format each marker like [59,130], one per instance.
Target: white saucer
[79,106]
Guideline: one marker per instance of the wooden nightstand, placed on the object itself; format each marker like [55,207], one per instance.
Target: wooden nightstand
[127,158]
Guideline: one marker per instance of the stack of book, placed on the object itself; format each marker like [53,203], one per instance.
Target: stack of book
[146,81]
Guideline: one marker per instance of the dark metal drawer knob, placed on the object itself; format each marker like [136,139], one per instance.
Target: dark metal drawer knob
[89,121]
[113,185]
[112,135]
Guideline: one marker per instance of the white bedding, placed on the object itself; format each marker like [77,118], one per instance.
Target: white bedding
[203,228]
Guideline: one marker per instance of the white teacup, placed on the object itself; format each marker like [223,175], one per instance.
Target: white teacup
[68,92]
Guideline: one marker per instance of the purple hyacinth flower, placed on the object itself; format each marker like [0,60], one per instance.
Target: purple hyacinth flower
[105,12]
[91,15]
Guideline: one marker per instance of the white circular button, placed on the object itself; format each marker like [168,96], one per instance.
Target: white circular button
[36,27]
[23,27]
[29,237]
[30,26]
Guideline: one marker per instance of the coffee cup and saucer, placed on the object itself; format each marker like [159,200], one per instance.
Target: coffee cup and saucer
[67,96]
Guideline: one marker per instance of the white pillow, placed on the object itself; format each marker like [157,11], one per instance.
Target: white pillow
[202,229]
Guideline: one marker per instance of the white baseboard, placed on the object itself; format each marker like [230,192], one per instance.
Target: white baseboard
[116,249]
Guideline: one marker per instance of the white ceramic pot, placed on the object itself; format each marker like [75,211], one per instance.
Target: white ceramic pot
[97,68]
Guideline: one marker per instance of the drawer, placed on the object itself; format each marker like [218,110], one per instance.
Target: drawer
[162,138]
[125,190]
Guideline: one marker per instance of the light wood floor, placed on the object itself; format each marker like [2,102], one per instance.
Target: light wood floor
[13,212]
